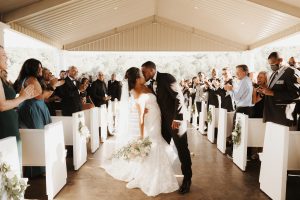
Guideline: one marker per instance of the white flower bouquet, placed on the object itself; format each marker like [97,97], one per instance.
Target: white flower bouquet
[236,134]
[11,186]
[82,128]
[139,148]
[209,116]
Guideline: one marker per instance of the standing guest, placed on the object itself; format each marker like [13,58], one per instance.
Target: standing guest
[213,85]
[282,90]
[8,102]
[33,113]
[241,92]
[201,95]
[292,62]
[62,75]
[99,91]
[226,101]
[114,88]
[87,103]
[70,93]
[3,75]
[186,91]
[258,99]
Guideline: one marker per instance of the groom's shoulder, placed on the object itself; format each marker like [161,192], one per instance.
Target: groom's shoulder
[168,77]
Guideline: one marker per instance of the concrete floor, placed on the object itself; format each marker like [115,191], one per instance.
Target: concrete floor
[215,178]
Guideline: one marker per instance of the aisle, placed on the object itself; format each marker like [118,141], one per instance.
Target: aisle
[215,177]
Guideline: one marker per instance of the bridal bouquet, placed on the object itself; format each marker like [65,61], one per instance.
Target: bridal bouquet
[12,187]
[139,148]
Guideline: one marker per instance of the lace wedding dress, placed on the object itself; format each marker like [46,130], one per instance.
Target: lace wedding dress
[156,173]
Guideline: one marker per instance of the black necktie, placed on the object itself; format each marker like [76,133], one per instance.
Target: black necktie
[151,86]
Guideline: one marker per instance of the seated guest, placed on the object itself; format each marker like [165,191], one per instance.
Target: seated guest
[282,90]
[99,91]
[213,85]
[114,88]
[241,92]
[70,93]
[226,101]
[258,99]
[8,102]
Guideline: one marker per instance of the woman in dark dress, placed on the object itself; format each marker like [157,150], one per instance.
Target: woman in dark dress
[8,102]
[258,98]
[34,113]
[212,85]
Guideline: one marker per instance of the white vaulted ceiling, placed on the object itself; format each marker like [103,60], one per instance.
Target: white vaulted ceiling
[248,23]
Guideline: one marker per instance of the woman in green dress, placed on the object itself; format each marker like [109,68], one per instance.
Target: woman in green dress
[8,102]
[34,113]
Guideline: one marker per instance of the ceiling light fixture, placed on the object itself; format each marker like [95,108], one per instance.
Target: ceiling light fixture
[196,7]
[115,8]
[242,23]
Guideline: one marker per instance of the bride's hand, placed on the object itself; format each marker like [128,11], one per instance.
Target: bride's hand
[146,110]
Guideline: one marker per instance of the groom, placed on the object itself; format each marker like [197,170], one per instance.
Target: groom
[172,107]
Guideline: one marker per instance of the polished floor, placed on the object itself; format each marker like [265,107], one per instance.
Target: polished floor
[215,178]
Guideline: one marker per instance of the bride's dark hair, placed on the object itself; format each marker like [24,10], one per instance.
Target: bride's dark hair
[132,74]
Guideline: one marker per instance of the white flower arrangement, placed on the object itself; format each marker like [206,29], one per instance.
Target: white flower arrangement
[12,187]
[139,148]
[209,116]
[236,134]
[83,129]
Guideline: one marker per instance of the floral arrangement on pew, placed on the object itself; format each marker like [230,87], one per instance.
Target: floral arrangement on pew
[139,148]
[236,134]
[82,128]
[209,116]
[12,187]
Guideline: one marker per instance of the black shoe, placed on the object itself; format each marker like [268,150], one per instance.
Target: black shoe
[185,187]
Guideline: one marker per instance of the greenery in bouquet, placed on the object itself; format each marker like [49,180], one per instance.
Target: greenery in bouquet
[209,116]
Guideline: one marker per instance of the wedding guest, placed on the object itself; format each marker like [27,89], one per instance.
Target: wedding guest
[62,75]
[241,92]
[33,113]
[258,99]
[226,101]
[8,102]
[3,75]
[114,88]
[281,92]
[70,93]
[201,95]
[213,85]
[84,95]
[292,62]
[99,91]
[186,91]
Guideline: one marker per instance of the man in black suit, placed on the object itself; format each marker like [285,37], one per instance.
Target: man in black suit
[114,88]
[281,93]
[70,93]
[174,121]
[99,91]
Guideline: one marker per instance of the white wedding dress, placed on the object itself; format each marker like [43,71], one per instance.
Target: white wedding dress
[156,173]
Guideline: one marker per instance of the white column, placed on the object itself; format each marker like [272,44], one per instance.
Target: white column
[2,28]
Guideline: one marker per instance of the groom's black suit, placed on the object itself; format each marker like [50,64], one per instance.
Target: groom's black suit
[170,107]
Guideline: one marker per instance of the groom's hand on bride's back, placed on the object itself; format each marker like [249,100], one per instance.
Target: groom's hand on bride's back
[175,125]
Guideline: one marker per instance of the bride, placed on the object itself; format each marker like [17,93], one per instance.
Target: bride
[154,174]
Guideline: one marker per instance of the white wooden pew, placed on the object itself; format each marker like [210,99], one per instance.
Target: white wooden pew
[92,122]
[195,117]
[294,151]
[110,117]
[203,118]
[46,147]
[252,135]
[9,154]
[73,137]
[224,128]
[274,161]
[103,122]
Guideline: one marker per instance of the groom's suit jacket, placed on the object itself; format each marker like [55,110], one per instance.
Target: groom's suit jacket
[169,103]
[286,91]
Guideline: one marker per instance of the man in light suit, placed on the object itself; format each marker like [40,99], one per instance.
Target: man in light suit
[282,92]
